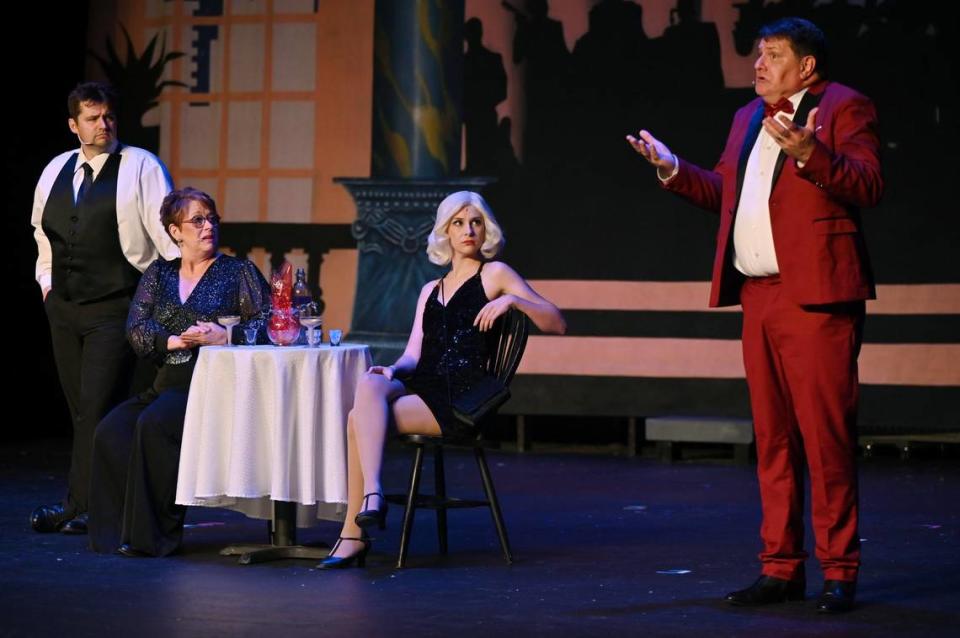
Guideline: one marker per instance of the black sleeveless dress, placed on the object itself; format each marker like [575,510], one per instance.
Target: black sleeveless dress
[454,352]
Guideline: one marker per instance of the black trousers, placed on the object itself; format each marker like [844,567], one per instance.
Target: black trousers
[136,455]
[94,364]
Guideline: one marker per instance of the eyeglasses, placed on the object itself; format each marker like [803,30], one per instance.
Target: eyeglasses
[198,220]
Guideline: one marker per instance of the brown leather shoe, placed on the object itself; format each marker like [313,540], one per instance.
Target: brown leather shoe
[768,590]
[837,596]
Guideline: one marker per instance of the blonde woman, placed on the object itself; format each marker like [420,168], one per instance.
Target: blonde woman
[445,354]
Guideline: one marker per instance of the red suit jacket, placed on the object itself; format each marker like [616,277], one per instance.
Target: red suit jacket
[814,210]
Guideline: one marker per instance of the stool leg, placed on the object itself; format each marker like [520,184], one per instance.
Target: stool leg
[440,488]
[494,504]
[412,492]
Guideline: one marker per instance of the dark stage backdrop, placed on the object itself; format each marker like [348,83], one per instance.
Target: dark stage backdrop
[550,100]
[45,69]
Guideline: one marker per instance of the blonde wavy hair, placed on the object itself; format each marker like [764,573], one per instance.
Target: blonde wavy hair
[438,244]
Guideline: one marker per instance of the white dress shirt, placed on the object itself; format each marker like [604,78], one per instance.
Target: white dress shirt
[142,183]
[754,253]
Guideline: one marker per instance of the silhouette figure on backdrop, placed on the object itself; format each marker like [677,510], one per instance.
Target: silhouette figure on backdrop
[690,65]
[611,86]
[538,43]
[484,86]
[917,112]
[691,49]
[506,158]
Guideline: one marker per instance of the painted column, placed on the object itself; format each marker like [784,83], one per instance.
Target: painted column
[418,59]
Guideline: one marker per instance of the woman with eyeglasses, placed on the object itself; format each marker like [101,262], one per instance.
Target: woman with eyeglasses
[137,445]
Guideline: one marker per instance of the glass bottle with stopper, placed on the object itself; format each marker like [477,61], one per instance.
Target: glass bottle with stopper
[301,301]
[301,292]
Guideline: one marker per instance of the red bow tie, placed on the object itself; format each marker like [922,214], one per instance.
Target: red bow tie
[784,105]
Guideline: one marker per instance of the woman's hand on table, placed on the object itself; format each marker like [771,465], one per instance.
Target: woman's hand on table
[204,333]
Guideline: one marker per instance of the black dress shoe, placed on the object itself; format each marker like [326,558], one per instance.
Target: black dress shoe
[837,596]
[50,518]
[768,590]
[76,525]
[129,552]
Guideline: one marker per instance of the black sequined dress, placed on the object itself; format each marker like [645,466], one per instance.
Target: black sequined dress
[454,352]
[136,447]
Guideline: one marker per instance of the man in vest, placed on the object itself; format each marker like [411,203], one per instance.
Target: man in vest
[96,218]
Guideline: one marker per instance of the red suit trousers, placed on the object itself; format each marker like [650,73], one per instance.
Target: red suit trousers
[801,367]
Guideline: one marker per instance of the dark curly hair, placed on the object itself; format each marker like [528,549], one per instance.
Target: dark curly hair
[805,38]
[176,202]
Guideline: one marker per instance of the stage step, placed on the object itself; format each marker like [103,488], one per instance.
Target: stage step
[671,431]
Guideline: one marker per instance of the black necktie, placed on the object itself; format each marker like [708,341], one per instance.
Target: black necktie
[87,181]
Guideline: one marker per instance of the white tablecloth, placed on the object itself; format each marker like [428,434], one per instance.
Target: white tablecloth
[265,423]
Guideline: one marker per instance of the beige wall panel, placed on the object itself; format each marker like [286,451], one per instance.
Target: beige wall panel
[247,7]
[246,57]
[289,200]
[243,134]
[281,7]
[294,57]
[241,203]
[291,132]
[199,136]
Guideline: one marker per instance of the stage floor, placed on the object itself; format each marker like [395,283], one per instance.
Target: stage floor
[603,546]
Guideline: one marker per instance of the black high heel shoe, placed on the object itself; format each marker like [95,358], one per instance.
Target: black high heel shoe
[336,562]
[368,518]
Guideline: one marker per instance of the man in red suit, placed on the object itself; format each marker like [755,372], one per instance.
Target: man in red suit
[799,162]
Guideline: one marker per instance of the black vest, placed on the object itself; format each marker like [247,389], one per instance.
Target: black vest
[88,263]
